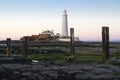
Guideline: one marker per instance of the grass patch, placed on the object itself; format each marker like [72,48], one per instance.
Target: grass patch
[116,55]
[52,56]
[60,57]
[115,63]
[88,56]
[80,58]
[86,59]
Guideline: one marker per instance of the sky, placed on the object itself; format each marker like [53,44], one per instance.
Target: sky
[28,17]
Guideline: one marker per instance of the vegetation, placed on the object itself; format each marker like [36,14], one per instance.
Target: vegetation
[79,58]
[85,53]
[44,57]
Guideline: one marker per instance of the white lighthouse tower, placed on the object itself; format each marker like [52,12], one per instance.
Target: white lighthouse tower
[64,24]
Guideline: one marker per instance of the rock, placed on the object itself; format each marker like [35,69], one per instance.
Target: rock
[56,72]
[98,71]
[26,74]
[103,77]
[82,76]
[51,73]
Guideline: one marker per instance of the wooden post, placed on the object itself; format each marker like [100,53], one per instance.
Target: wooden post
[8,46]
[105,44]
[25,46]
[72,42]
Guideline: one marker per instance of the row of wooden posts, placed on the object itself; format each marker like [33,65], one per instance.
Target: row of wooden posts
[105,44]
[25,47]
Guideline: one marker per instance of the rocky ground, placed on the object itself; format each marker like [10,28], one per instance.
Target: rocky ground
[58,71]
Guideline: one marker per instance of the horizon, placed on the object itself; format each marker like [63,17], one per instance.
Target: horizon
[20,18]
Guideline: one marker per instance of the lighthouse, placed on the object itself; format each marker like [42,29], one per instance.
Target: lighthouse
[64,24]
[64,35]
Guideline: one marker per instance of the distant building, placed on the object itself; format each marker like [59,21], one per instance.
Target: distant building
[64,24]
[49,35]
[67,39]
[44,36]
[64,35]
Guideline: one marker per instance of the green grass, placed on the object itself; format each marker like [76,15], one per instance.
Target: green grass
[85,54]
[60,57]
[115,63]
[41,57]
[79,58]
[86,59]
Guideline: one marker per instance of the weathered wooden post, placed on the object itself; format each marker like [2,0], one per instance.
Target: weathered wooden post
[105,44]
[25,46]
[72,42]
[8,46]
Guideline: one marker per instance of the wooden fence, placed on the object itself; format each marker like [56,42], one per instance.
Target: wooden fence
[105,44]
